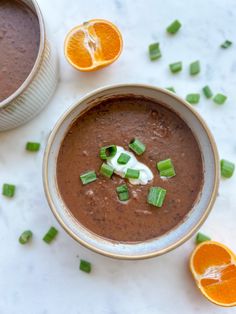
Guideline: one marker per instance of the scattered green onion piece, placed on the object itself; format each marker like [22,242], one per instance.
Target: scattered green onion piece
[171,89]
[107,152]
[207,91]
[226,44]
[123,159]
[137,146]
[219,99]
[106,170]
[85,266]
[124,196]
[32,146]
[88,177]
[122,188]
[156,196]
[166,168]
[193,98]
[8,190]
[176,67]
[200,237]
[154,51]
[173,27]
[227,168]
[194,68]
[25,237]
[50,235]
[132,173]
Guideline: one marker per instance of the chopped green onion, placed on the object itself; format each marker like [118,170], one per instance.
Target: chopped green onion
[207,91]
[173,27]
[176,67]
[227,168]
[25,237]
[107,152]
[200,237]
[226,44]
[8,190]
[122,188]
[88,177]
[106,170]
[194,68]
[171,89]
[193,98]
[154,51]
[156,196]
[219,99]
[50,235]
[32,147]
[124,196]
[166,168]
[85,266]
[132,173]
[123,159]
[137,146]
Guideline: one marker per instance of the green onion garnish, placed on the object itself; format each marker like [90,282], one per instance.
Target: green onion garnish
[173,27]
[193,98]
[123,159]
[32,146]
[154,51]
[171,89]
[123,192]
[176,67]
[200,237]
[219,99]
[137,146]
[122,188]
[8,190]
[106,170]
[132,173]
[207,91]
[227,168]
[25,237]
[156,196]
[107,152]
[50,235]
[166,168]
[124,196]
[194,68]
[226,44]
[85,266]
[88,177]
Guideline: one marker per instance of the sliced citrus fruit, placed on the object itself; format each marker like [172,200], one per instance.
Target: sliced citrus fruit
[213,266]
[93,45]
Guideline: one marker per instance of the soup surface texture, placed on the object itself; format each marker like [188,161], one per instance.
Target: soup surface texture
[96,205]
[19,45]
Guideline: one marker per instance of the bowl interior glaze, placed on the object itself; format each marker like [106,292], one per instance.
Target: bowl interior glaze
[174,237]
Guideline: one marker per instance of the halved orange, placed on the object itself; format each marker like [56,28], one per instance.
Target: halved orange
[213,266]
[93,45]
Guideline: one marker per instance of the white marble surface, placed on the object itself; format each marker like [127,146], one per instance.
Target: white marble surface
[41,279]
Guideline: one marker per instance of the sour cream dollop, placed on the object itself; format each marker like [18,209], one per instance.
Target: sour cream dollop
[146,174]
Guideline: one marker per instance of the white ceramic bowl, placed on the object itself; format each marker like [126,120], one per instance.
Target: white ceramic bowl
[174,237]
[34,94]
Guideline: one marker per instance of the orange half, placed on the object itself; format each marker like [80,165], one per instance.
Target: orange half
[213,266]
[93,45]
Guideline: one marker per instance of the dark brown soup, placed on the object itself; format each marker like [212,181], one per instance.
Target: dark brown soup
[96,205]
[19,45]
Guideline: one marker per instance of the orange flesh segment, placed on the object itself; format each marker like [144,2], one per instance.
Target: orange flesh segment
[210,255]
[214,268]
[77,51]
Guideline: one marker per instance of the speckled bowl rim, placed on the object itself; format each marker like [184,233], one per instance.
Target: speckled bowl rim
[146,255]
[7,101]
